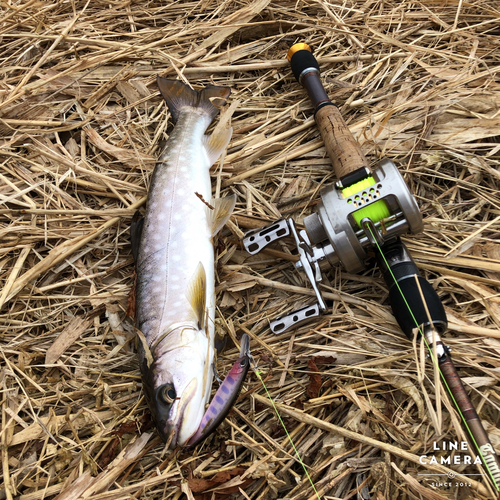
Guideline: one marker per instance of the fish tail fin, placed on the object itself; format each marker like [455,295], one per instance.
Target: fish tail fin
[179,95]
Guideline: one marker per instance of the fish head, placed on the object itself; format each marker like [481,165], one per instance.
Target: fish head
[178,409]
[178,387]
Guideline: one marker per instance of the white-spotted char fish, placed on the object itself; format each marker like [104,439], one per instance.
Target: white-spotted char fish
[175,298]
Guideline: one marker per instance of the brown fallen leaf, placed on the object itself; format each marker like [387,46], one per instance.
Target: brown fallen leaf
[198,485]
[220,481]
[314,380]
[324,360]
[235,481]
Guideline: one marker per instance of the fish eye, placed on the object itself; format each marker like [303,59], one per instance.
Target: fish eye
[167,394]
[244,362]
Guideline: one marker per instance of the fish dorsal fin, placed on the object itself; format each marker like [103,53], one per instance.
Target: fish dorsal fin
[216,143]
[179,95]
[223,208]
[197,296]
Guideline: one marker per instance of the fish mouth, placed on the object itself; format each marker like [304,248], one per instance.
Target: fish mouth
[170,428]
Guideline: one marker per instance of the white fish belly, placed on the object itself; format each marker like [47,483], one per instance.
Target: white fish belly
[176,236]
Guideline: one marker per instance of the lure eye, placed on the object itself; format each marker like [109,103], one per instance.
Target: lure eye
[244,362]
[167,394]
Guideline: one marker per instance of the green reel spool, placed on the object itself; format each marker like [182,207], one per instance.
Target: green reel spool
[361,193]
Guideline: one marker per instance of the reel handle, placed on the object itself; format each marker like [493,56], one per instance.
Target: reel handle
[342,148]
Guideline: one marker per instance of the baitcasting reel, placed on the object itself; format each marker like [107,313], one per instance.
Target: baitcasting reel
[364,208]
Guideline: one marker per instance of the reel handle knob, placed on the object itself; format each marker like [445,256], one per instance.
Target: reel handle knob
[342,148]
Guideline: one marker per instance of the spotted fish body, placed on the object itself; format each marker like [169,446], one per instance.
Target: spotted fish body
[175,296]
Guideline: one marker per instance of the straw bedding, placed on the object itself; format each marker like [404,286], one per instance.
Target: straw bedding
[81,124]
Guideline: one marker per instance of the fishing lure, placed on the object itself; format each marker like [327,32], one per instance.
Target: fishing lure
[225,396]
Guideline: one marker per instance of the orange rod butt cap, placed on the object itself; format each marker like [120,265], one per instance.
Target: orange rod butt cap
[296,48]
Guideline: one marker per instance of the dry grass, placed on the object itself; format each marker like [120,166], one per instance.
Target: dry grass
[81,123]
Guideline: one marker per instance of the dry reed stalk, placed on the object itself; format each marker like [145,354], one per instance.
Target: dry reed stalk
[81,123]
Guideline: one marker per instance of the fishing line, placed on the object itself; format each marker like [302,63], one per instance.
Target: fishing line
[436,363]
[257,372]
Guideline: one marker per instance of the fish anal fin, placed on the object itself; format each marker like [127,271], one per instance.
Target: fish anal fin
[196,295]
[223,208]
[135,233]
[216,143]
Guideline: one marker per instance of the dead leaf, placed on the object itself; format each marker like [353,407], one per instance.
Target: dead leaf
[220,481]
[240,281]
[126,457]
[67,338]
[442,71]
[236,481]
[237,18]
[130,156]
[324,360]
[314,380]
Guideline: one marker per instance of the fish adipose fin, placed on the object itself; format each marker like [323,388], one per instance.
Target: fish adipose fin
[216,143]
[196,295]
[135,233]
[223,208]
[179,95]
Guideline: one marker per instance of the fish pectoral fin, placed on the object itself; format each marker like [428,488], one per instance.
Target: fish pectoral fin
[147,352]
[197,296]
[223,208]
[135,233]
[216,143]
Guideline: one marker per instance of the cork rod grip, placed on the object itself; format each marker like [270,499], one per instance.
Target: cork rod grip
[342,148]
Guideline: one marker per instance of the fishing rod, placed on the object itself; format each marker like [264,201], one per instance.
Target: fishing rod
[368,208]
